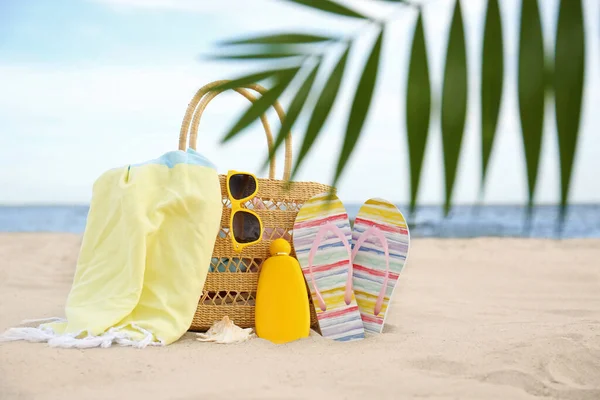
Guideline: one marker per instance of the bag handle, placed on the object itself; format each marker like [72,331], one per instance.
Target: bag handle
[263,118]
[198,104]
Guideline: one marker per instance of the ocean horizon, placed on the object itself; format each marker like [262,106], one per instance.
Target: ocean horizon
[464,221]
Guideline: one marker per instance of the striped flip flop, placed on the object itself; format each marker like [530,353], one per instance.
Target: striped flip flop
[380,240]
[321,238]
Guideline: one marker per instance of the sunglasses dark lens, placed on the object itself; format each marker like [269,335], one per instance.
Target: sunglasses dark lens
[246,227]
[241,186]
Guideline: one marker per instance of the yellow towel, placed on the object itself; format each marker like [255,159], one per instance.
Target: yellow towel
[144,258]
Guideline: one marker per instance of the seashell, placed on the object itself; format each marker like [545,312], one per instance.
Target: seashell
[225,331]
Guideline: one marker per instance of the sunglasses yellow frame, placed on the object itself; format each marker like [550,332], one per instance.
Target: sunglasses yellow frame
[236,205]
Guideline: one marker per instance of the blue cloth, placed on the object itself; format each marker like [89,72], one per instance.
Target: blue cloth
[173,158]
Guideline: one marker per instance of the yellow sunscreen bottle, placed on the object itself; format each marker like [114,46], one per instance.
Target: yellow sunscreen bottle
[282,309]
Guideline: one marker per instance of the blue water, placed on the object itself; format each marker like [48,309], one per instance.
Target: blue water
[583,221]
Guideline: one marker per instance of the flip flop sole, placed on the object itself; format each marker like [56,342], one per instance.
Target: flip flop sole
[369,264]
[331,266]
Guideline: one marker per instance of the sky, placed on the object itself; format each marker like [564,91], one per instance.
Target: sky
[90,85]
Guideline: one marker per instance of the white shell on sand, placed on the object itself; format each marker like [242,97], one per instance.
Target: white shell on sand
[225,331]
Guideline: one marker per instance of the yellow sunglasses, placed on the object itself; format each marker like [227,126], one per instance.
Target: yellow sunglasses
[245,226]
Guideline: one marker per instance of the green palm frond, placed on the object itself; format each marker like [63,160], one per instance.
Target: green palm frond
[492,78]
[531,84]
[454,102]
[360,106]
[298,57]
[418,108]
[568,89]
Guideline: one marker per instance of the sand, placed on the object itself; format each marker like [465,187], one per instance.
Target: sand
[472,319]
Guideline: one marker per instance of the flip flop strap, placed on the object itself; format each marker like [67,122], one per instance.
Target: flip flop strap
[323,229]
[374,231]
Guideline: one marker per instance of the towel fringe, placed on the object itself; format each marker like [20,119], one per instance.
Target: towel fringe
[72,340]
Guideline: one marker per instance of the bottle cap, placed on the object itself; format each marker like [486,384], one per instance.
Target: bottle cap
[280,247]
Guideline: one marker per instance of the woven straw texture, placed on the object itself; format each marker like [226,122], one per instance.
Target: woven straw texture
[230,287]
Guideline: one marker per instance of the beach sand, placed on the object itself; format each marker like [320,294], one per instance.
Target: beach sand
[471,319]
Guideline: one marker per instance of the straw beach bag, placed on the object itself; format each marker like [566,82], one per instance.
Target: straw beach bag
[230,288]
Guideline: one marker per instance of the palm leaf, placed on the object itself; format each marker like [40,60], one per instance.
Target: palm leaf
[269,52]
[531,85]
[492,71]
[418,108]
[568,89]
[454,101]
[322,108]
[253,78]
[281,38]
[293,112]
[260,105]
[360,106]
[330,7]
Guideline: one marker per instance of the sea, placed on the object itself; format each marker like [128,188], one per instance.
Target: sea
[582,220]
